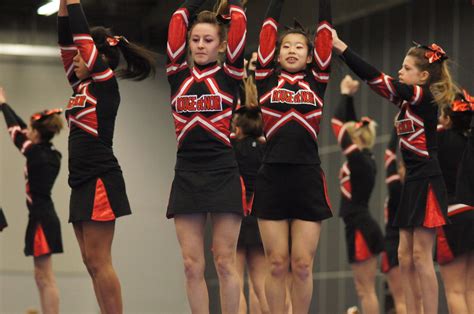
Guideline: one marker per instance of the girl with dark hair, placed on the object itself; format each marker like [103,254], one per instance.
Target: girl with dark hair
[364,239]
[91,59]
[424,84]
[43,161]
[455,242]
[207,178]
[248,143]
[290,191]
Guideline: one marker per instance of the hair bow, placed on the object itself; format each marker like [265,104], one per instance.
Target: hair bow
[364,121]
[434,52]
[44,114]
[113,41]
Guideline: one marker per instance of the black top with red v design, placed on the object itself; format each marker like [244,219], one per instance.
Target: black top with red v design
[415,123]
[203,97]
[392,179]
[43,162]
[92,109]
[357,174]
[292,103]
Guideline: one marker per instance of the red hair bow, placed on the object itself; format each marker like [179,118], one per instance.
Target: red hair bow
[435,53]
[115,40]
[464,103]
[44,114]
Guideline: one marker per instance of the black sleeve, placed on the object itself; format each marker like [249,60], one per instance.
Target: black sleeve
[345,110]
[16,128]
[3,220]
[82,38]
[392,178]
[384,85]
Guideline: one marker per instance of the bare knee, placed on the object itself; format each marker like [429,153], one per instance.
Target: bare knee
[421,259]
[405,258]
[193,269]
[43,278]
[225,265]
[302,268]
[95,264]
[279,265]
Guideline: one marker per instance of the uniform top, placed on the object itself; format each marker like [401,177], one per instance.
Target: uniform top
[357,174]
[451,147]
[392,179]
[415,123]
[249,154]
[42,166]
[92,109]
[292,103]
[203,97]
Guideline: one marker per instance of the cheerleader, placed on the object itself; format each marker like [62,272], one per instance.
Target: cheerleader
[43,161]
[207,179]
[98,197]
[455,242]
[364,238]
[394,176]
[3,220]
[249,146]
[424,82]
[290,191]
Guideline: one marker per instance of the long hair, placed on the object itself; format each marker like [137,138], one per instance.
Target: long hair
[365,133]
[47,126]
[140,62]
[250,89]
[440,81]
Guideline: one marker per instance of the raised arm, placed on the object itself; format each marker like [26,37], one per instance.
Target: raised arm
[323,44]
[345,112]
[66,44]
[16,126]
[177,36]
[382,84]
[268,40]
[82,38]
[236,40]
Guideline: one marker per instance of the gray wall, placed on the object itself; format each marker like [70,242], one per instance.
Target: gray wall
[146,253]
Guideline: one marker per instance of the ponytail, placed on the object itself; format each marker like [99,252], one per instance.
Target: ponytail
[440,81]
[140,62]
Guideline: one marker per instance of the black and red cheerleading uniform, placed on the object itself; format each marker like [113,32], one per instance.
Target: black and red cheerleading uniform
[456,238]
[364,238]
[43,161]
[98,188]
[465,179]
[202,100]
[424,201]
[291,183]
[249,154]
[394,186]
[3,220]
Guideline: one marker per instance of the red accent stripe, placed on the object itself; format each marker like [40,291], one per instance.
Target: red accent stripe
[362,251]
[433,216]
[444,254]
[102,210]
[326,195]
[244,198]
[385,266]
[41,246]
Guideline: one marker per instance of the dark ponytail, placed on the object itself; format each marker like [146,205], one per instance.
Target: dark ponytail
[140,62]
